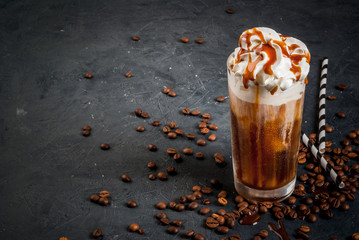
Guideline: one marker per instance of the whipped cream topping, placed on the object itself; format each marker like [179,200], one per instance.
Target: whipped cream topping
[267,58]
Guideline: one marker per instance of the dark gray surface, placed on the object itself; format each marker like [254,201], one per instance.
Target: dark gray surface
[48,170]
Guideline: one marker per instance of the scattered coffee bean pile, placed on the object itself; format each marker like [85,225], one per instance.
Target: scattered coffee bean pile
[102,198]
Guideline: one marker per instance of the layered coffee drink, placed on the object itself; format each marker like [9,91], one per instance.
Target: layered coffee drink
[267,75]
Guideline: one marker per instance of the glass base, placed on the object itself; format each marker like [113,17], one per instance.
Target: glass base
[274,195]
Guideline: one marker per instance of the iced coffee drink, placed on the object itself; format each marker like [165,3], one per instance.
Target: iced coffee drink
[267,75]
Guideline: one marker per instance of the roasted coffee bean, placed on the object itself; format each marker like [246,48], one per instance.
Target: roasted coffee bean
[286,210]
[152,176]
[191,136]
[134,227]
[223,230]
[171,170]
[141,231]
[257,237]
[206,115]
[341,114]
[308,201]
[179,131]
[166,129]
[229,11]
[180,207]
[293,215]
[279,215]
[324,206]
[151,165]
[193,206]
[131,204]
[172,125]
[263,209]
[304,229]
[221,212]
[166,90]
[196,188]
[177,223]
[172,230]
[171,151]
[199,236]
[239,199]
[138,112]
[328,213]
[140,129]
[105,146]
[97,233]
[186,111]
[221,220]
[212,137]
[172,93]
[86,133]
[128,74]
[204,130]
[315,209]
[211,222]
[162,176]
[219,158]
[332,97]
[206,201]
[222,193]
[191,197]
[187,151]
[206,190]
[161,215]
[152,147]
[220,98]
[161,205]
[303,235]
[185,39]
[196,112]
[183,199]
[172,135]
[206,120]
[202,125]
[145,115]
[199,40]
[126,178]
[352,135]
[222,201]
[172,205]
[104,193]
[188,233]
[263,234]
[204,211]
[235,237]
[156,123]
[199,155]
[198,195]
[328,129]
[94,198]
[335,203]
[346,142]
[135,38]
[345,207]
[88,75]
[312,218]
[341,86]
[103,201]
[303,177]
[355,236]
[291,200]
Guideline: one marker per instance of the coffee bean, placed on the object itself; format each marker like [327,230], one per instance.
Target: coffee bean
[88,75]
[187,151]
[199,236]
[103,201]
[140,129]
[204,130]
[162,176]
[191,136]
[257,238]
[152,176]
[171,170]
[196,188]
[220,98]
[206,115]
[303,235]
[177,223]
[105,146]
[263,209]
[104,194]
[161,205]
[202,125]
[152,147]
[341,86]
[135,38]
[291,200]
[186,111]
[304,229]
[315,209]
[341,114]
[200,40]
[145,115]
[179,131]
[193,206]
[206,201]
[134,227]
[172,93]
[201,142]
[128,75]
[222,193]
[229,11]
[332,97]
[206,190]
[196,112]
[355,236]
[191,197]
[263,234]
[293,215]
[94,198]
[212,137]
[172,125]
[219,158]
[180,207]
[156,123]
[86,133]
[185,39]
[166,129]
[222,201]
[166,90]
[172,135]
[177,157]
[328,129]
[223,230]
[199,155]
[97,233]
[279,215]
[204,211]
[312,218]
[345,207]
[173,230]
[235,237]
[211,223]
[328,213]
[126,178]
[188,233]
[172,205]
[161,215]
[151,165]
[131,204]
[138,112]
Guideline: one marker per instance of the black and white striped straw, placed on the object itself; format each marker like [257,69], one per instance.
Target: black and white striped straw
[322,93]
[323,162]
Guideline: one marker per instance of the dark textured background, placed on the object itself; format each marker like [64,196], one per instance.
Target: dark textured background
[48,170]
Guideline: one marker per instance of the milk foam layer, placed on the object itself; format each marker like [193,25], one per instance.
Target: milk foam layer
[235,86]
[269,59]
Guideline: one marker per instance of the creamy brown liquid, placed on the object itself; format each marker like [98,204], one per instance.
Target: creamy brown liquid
[265,141]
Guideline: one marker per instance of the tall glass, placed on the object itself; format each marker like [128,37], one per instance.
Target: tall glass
[265,131]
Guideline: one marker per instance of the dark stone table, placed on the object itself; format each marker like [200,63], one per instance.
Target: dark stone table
[49,170]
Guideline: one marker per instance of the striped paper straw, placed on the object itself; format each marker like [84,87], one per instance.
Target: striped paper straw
[323,162]
[322,93]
